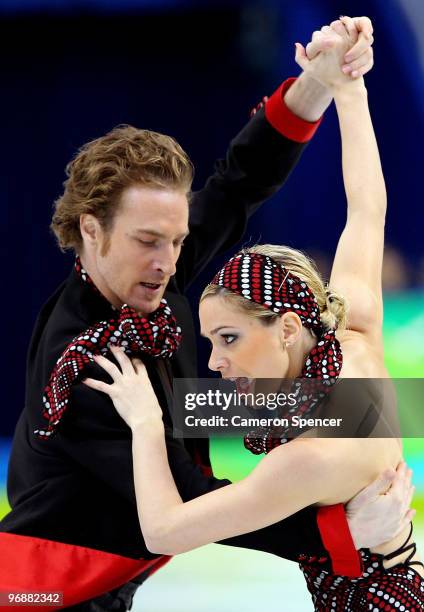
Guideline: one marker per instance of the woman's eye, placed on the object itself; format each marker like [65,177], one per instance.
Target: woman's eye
[229,338]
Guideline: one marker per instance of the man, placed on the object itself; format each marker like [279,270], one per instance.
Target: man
[73,526]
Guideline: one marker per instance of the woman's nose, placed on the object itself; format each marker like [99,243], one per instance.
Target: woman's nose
[217,363]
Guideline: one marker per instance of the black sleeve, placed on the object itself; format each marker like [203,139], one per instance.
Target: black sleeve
[258,161]
[96,438]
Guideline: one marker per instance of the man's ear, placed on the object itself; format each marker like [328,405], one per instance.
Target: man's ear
[90,229]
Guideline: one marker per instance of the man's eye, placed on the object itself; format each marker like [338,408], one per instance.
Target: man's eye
[146,242]
[179,243]
[229,338]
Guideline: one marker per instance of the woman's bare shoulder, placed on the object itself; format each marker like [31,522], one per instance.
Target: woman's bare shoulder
[361,357]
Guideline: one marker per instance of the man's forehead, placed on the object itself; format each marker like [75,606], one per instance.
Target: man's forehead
[146,197]
[155,210]
[156,232]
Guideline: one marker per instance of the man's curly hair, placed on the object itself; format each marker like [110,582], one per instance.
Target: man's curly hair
[104,167]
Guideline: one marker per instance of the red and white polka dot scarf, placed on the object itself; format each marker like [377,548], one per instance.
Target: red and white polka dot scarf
[260,279]
[158,336]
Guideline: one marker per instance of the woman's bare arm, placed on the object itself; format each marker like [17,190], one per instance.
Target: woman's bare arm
[356,272]
[289,478]
[285,481]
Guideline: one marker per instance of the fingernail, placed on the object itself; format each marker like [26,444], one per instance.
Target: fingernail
[355,73]
[346,69]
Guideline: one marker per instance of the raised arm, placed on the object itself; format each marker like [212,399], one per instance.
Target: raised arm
[260,158]
[356,272]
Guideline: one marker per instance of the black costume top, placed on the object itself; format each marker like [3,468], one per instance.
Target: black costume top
[73,526]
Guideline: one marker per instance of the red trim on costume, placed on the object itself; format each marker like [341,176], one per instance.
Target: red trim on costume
[205,469]
[35,564]
[284,121]
[337,539]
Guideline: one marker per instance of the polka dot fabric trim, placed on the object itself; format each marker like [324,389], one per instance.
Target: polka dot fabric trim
[397,589]
[260,279]
[308,396]
[158,336]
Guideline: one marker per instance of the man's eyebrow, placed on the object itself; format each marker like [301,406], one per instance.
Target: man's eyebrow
[215,330]
[153,232]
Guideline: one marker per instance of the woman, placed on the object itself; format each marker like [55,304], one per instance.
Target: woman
[268,314]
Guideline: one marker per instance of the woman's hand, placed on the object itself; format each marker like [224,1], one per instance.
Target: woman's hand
[131,392]
[328,67]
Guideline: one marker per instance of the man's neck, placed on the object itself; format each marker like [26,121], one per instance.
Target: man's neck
[89,265]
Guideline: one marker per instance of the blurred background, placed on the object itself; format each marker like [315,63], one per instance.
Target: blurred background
[72,70]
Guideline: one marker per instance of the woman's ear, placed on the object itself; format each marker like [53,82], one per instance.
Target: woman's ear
[290,328]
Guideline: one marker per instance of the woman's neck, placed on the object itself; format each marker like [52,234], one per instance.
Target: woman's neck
[299,352]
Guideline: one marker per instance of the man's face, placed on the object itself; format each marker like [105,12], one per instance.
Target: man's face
[144,245]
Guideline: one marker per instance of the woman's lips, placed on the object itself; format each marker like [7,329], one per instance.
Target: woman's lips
[243,384]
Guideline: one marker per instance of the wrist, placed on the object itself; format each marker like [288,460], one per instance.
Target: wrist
[350,90]
[148,426]
[310,83]
[308,98]
[355,532]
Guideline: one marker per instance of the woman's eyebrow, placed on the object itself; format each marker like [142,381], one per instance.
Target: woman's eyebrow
[215,330]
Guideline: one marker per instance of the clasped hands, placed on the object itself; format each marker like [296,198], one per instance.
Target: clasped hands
[339,53]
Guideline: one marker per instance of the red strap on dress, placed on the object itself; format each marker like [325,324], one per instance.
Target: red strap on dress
[337,539]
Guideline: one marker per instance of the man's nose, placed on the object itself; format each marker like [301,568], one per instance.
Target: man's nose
[167,260]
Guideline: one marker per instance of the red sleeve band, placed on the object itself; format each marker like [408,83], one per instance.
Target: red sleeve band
[337,539]
[284,121]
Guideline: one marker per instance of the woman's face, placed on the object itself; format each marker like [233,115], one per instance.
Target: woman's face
[242,346]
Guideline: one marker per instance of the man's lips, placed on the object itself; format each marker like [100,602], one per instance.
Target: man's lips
[151,286]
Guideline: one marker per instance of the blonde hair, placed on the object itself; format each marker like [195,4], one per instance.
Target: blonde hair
[332,306]
[104,167]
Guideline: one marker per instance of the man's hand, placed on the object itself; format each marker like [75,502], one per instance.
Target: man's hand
[381,511]
[359,58]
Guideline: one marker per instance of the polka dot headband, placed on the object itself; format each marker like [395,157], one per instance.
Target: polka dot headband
[260,279]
